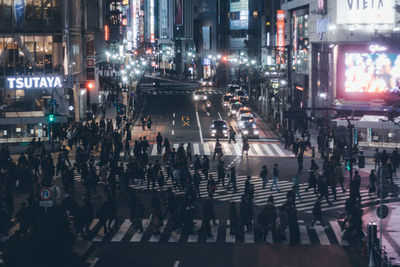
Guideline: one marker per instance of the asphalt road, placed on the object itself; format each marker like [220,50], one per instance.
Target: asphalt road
[178,117]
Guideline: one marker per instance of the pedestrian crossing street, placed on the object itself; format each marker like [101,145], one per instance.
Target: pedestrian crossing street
[305,204]
[257,149]
[179,92]
[221,233]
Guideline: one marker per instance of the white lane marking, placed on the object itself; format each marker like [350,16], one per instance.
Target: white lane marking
[175,235]
[219,115]
[177,264]
[100,236]
[323,238]
[277,148]
[269,151]
[228,237]
[173,122]
[157,237]
[249,237]
[154,150]
[338,233]
[214,232]
[258,150]
[194,237]
[237,149]
[200,131]
[93,224]
[304,238]
[173,132]
[173,114]
[122,231]
[206,149]
[92,261]
[138,235]
[196,149]
[227,150]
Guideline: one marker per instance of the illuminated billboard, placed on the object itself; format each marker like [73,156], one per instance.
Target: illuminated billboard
[368,74]
[239,15]
[366,11]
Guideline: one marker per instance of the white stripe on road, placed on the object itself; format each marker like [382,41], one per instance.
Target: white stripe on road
[206,149]
[177,264]
[237,149]
[93,224]
[194,237]
[268,150]
[277,148]
[173,122]
[200,131]
[323,238]
[220,117]
[157,237]
[138,235]
[228,237]
[258,149]
[122,231]
[100,235]
[173,132]
[214,232]
[154,150]
[304,238]
[174,238]
[338,233]
[196,149]
[227,150]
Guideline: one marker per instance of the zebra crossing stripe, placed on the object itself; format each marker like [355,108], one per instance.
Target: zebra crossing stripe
[194,236]
[122,231]
[100,235]
[206,149]
[228,237]
[277,148]
[267,149]
[249,237]
[214,232]
[175,235]
[196,149]
[237,149]
[286,233]
[257,149]
[304,238]
[157,237]
[338,233]
[226,148]
[137,237]
[323,238]
[154,151]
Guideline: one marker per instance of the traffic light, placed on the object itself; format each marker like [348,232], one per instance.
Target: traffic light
[90,85]
[51,118]
[267,26]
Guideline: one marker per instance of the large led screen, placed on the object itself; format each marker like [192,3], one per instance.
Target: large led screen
[371,73]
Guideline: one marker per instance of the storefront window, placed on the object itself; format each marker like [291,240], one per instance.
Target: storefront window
[300,40]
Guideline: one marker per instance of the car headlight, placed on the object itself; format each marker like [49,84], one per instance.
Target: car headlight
[241,123]
[213,131]
[205,97]
[203,83]
[255,132]
[233,111]
[210,83]
[224,131]
[245,132]
[254,126]
[196,97]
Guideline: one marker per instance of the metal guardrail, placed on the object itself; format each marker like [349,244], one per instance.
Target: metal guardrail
[20,139]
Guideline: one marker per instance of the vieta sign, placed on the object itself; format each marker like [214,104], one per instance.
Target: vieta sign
[365,11]
[33,82]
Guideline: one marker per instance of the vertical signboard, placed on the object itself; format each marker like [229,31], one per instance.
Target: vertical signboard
[141,20]
[152,36]
[163,19]
[19,13]
[135,23]
[280,35]
[206,37]
[178,12]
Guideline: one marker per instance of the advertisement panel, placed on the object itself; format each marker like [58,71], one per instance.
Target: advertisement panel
[365,11]
[19,12]
[163,19]
[280,35]
[239,15]
[152,36]
[206,37]
[178,12]
[366,73]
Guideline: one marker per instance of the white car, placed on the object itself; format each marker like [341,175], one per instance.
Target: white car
[245,118]
[198,96]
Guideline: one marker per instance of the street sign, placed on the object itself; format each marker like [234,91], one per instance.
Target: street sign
[46,203]
[45,193]
[385,211]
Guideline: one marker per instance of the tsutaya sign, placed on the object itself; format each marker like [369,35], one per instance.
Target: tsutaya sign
[33,82]
[365,11]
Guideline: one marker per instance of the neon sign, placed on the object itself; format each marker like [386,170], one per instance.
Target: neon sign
[34,82]
[377,48]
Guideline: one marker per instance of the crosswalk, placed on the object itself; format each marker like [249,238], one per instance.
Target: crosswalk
[305,204]
[331,234]
[179,92]
[257,149]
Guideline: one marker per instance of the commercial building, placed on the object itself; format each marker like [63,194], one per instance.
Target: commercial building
[44,48]
[344,56]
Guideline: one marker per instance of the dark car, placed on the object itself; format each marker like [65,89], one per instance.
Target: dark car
[234,108]
[249,130]
[225,99]
[219,129]
[242,95]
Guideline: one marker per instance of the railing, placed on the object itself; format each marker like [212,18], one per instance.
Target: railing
[20,139]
